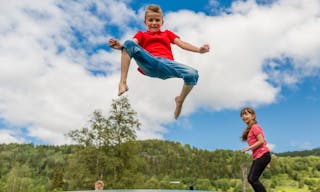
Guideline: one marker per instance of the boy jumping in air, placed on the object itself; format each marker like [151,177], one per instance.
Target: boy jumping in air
[152,52]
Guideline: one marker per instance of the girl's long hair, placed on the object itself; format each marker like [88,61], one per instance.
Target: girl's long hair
[249,125]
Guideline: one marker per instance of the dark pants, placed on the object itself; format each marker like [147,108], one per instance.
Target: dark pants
[256,170]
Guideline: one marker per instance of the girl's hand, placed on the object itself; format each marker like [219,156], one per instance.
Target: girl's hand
[115,44]
[245,149]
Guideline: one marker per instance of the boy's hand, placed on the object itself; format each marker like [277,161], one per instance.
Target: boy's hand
[205,48]
[115,44]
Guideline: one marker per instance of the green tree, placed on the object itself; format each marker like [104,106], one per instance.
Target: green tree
[123,121]
[119,127]
[124,124]
[98,134]
[104,140]
[57,179]
[19,179]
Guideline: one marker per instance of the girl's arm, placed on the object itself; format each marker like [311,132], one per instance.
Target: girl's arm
[189,47]
[256,144]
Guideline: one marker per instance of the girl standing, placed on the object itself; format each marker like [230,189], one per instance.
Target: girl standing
[254,136]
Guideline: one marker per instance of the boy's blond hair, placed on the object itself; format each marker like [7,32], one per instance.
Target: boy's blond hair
[153,8]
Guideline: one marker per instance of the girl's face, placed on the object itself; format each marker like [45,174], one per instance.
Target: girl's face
[247,117]
[153,21]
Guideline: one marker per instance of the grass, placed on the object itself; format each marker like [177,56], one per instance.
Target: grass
[291,189]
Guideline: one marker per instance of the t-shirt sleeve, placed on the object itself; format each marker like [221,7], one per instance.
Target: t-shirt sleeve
[138,36]
[256,129]
[171,35]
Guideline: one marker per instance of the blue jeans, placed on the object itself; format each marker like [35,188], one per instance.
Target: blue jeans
[160,67]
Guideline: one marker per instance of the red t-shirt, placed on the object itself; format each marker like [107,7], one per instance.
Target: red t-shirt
[252,139]
[157,43]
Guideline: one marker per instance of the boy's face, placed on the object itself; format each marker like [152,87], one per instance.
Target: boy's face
[153,21]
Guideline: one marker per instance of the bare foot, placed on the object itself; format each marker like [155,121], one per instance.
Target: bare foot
[178,107]
[122,89]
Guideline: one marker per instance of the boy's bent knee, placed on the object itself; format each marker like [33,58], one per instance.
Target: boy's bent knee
[129,43]
[131,47]
[192,77]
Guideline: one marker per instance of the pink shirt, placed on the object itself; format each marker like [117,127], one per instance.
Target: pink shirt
[157,43]
[252,139]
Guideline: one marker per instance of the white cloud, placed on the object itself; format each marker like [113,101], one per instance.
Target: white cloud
[306,145]
[271,146]
[9,137]
[48,92]
[232,75]
[46,88]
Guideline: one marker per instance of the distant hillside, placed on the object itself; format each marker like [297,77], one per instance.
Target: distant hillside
[313,152]
[149,164]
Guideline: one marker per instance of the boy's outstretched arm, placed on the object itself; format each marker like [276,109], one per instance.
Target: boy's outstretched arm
[187,46]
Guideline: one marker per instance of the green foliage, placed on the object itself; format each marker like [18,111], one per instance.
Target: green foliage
[118,128]
[107,149]
[313,152]
[203,184]
[98,134]
[57,178]
[122,121]
[146,164]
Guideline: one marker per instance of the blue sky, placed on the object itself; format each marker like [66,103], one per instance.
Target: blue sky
[56,69]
